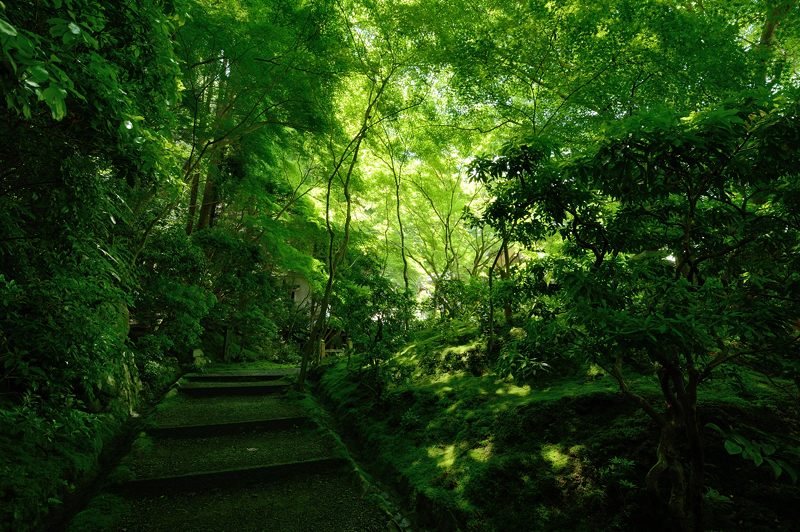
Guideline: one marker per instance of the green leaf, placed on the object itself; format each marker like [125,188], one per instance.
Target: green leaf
[732,447]
[74,28]
[54,98]
[776,468]
[7,28]
[39,73]
[741,440]
[789,470]
[757,458]
[746,453]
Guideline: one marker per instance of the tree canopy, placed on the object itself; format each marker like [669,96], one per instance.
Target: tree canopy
[620,177]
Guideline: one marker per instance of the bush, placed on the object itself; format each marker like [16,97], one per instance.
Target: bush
[542,347]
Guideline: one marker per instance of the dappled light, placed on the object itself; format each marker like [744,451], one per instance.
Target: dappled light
[510,389]
[554,454]
[378,265]
[445,456]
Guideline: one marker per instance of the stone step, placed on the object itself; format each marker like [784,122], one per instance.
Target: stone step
[319,501]
[179,409]
[234,388]
[242,476]
[239,376]
[170,456]
[216,429]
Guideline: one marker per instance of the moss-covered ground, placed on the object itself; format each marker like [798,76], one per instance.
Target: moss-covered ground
[569,453]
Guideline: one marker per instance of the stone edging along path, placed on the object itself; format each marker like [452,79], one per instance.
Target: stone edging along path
[237,450]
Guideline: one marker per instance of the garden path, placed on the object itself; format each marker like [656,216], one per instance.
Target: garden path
[234,449]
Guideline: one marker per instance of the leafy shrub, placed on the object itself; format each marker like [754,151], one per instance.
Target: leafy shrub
[543,346]
[171,302]
[45,453]
[454,299]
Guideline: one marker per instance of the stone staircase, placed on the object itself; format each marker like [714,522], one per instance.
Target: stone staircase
[234,450]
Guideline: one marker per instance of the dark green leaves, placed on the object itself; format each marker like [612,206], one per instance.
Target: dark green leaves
[755,451]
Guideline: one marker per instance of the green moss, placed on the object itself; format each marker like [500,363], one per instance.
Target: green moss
[103,513]
[495,455]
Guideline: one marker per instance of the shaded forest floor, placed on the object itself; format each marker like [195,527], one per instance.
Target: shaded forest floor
[566,453]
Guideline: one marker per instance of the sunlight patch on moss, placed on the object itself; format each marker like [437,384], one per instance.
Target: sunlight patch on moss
[407,355]
[445,456]
[511,389]
[554,455]
[481,454]
[576,450]
[460,349]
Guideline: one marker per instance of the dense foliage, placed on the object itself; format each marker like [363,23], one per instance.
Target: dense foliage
[604,188]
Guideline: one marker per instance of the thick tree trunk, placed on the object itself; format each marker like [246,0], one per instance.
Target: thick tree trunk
[210,197]
[680,459]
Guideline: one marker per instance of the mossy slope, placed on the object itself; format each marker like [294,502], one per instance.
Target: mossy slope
[480,453]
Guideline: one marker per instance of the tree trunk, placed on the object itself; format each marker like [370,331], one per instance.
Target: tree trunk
[680,460]
[765,48]
[505,274]
[195,187]
[402,233]
[210,195]
[669,462]
[192,166]
[491,340]
[226,344]
[335,259]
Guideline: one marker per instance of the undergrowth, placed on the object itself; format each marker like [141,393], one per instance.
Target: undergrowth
[50,450]
[479,452]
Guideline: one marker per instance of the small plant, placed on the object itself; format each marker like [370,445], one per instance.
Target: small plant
[757,452]
[715,497]
[410,420]
[618,473]
[518,364]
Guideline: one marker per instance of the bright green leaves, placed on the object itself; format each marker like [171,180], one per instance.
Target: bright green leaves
[55,98]
[7,28]
[38,74]
[34,58]
[64,29]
